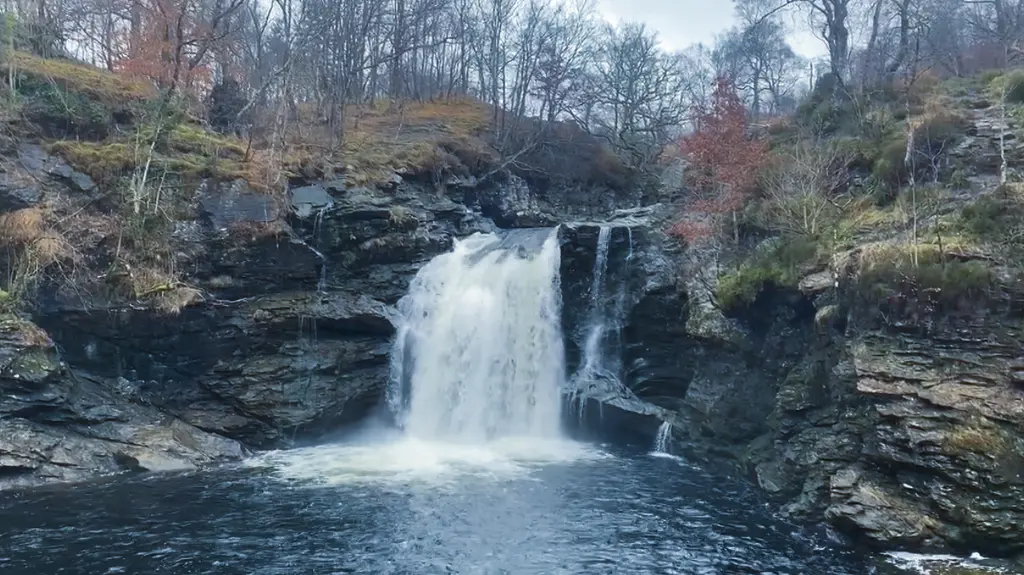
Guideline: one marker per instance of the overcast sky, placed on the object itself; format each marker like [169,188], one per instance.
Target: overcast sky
[680,23]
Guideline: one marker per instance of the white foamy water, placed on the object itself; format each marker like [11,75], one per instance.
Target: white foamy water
[938,564]
[479,354]
[476,374]
[593,359]
[663,441]
[411,460]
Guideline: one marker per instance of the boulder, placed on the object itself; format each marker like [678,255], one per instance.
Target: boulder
[59,425]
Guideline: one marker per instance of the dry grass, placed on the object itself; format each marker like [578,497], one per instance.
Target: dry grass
[886,254]
[83,78]
[988,441]
[384,137]
[104,162]
[252,231]
[22,226]
[31,334]
[27,231]
[33,248]
[171,302]
[161,289]
[189,153]
[194,139]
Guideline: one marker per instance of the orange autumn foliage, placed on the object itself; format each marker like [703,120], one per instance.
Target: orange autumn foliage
[164,48]
[724,161]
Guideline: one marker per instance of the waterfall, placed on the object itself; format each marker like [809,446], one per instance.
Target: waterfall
[663,441]
[321,284]
[592,361]
[478,354]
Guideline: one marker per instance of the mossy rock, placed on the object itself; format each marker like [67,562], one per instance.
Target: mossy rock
[778,263]
[885,269]
[82,78]
[987,440]
[59,112]
[34,365]
[69,99]
[1008,86]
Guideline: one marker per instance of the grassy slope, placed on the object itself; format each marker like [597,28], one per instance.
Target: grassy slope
[968,227]
[380,138]
[98,121]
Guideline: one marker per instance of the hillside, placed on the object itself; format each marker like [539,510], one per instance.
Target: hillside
[949,227]
[174,295]
[140,164]
[859,348]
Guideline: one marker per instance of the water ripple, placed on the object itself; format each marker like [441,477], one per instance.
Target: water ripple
[571,510]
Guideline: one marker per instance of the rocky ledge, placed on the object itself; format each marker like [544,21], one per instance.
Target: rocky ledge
[899,422]
[285,335]
[62,425]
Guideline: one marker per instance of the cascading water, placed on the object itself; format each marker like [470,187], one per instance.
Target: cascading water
[600,379]
[663,441]
[479,352]
[592,360]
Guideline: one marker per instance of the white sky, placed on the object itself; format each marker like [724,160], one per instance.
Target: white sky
[680,23]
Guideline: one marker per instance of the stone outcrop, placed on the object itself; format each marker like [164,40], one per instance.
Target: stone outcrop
[63,425]
[899,421]
[286,336]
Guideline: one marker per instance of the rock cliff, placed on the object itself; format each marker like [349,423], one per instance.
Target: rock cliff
[287,336]
[883,400]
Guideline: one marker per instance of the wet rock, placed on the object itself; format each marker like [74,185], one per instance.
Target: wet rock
[78,180]
[877,512]
[900,428]
[21,179]
[227,204]
[259,370]
[307,200]
[40,164]
[58,425]
[641,308]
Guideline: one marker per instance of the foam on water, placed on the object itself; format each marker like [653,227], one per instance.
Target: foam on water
[476,373]
[413,460]
[934,564]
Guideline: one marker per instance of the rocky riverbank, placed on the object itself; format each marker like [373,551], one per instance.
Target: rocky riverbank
[880,396]
[881,401]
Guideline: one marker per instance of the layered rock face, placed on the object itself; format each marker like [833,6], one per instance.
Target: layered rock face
[904,426]
[898,422]
[289,339]
[59,425]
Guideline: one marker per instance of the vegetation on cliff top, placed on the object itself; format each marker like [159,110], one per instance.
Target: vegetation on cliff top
[149,149]
[896,199]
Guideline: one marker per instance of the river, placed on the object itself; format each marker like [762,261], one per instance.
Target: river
[480,479]
[410,507]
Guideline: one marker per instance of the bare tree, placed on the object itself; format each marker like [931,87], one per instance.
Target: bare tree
[805,194]
[829,19]
[760,62]
[640,98]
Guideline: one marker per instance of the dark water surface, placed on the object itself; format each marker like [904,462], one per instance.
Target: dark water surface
[413,510]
